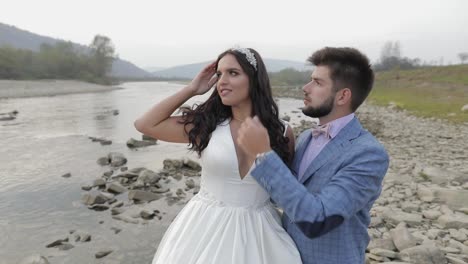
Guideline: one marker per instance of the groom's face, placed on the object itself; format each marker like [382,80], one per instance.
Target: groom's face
[319,95]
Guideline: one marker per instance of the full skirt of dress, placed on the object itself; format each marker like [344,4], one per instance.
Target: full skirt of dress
[208,231]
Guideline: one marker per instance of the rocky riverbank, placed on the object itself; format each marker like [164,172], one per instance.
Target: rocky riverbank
[420,217]
[129,195]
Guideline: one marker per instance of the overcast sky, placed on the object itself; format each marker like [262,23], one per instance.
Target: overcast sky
[174,32]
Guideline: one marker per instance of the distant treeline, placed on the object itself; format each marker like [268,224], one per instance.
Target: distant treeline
[289,77]
[285,78]
[59,61]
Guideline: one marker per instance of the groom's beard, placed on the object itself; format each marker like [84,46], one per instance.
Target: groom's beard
[320,111]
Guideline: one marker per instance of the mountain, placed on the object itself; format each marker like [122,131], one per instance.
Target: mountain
[187,71]
[22,39]
[154,69]
[190,70]
[276,65]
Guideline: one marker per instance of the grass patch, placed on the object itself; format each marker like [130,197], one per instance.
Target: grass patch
[438,92]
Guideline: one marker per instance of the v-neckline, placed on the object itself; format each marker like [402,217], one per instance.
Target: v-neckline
[235,153]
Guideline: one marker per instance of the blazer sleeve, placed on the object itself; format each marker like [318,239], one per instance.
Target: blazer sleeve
[356,184]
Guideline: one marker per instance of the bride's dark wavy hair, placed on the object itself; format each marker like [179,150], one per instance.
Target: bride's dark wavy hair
[206,116]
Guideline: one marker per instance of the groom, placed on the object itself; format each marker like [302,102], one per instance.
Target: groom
[338,168]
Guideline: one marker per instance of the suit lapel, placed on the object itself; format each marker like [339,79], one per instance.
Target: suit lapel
[334,148]
[302,144]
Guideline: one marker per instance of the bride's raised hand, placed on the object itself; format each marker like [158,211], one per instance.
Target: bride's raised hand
[204,80]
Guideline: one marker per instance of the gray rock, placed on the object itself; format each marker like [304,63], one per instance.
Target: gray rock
[402,238]
[148,177]
[127,174]
[425,194]
[172,164]
[465,186]
[190,183]
[116,211]
[432,174]
[434,233]
[453,260]
[94,198]
[376,258]
[98,207]
[409,207]
[456,221]
[82,237]
[450,250]
[457,235]
[139,195]
[99,183]
[125,219]
[455,244]
[134,143]
[102,141]
[160,190]
[65,246]
[464,108]
[34,259]
[431,214]
[395,262]
[103,253]
[455,199]
[192,164]
[116,230]
[146,214]
[116,188]
[383,243]
[107,174]
[148,138]
[8,116]
[103,161]
[105,142]
[384,253]
[86,187]
[439,175]
[423,254]
[119,204]
[116,159]
[180,193]
[395,217]
[57,242]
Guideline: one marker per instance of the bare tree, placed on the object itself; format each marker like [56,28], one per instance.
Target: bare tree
[391,58]
[103,52]
[463,56]
[390,49]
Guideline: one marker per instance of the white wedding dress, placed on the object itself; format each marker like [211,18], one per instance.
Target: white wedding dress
[230,221]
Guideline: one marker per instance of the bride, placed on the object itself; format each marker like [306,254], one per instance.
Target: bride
[231,219]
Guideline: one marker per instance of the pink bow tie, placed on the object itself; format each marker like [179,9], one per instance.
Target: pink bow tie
[324,129]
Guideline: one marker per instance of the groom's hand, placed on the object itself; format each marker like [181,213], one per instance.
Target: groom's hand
[253,137]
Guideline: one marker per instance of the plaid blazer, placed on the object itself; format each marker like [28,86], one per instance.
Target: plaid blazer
[327,211]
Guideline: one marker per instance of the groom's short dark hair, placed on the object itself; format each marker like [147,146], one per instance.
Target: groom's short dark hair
[349,68]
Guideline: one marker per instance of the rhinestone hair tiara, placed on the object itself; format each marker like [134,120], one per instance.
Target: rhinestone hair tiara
[248,55]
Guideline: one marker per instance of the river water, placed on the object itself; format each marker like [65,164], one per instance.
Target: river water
[50,138]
